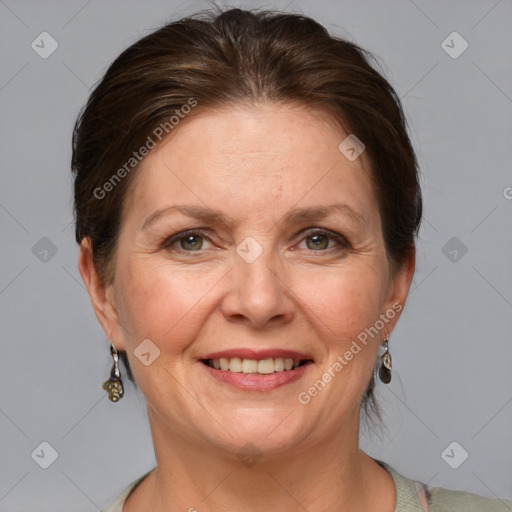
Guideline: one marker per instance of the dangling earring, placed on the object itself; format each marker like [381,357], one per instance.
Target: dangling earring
[385,363]
[114,385]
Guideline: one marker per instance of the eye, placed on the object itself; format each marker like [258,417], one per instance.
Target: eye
[318,240]
[189,241]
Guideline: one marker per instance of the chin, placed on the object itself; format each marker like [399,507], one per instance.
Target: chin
[265,431]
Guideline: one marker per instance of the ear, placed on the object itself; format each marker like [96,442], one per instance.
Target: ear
[400,283]
[102,296]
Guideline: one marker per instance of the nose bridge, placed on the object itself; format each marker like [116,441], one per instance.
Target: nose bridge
[258,291]
[259,275]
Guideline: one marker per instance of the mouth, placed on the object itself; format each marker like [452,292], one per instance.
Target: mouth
[256,366]
[257,370]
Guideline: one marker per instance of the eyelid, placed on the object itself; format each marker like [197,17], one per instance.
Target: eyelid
[338,237]
[342,240]
[171,240]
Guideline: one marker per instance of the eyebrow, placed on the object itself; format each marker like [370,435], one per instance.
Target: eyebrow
[294,216]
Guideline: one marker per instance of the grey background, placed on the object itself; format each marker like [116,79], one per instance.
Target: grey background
[452,349]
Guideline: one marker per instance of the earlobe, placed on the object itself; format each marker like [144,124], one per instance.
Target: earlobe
[101,296]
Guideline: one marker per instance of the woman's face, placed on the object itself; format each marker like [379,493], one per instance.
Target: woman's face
[286,261]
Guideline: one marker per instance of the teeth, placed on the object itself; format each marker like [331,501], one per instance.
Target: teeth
[263,366]
[278,364]
[235,365]
[266,366]
[249,366]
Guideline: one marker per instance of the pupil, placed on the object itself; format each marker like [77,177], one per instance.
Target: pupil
[190,240]
[317,241]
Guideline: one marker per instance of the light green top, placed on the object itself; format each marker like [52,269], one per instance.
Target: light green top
[411,496]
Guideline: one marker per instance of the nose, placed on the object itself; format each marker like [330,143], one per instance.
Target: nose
[259,295]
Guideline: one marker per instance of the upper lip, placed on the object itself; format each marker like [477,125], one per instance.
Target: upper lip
[258,354]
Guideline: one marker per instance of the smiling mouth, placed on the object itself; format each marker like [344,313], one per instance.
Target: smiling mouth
[256,366]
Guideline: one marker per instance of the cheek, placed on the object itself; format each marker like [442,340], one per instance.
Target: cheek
[169,306]
[343,302]
[163,304]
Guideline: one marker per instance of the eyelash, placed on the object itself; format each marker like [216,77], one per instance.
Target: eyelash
[342,241]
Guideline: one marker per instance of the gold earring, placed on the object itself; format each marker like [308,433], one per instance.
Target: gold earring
[114,385]
[385,364]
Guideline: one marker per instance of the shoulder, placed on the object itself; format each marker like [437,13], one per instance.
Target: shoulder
[446,500]
[413,496]
[117,504]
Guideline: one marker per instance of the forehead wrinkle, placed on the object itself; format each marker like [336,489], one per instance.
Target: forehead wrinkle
[294,216]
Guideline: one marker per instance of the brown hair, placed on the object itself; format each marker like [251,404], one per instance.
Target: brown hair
[219,59]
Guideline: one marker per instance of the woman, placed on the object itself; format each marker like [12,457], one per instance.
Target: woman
[247,201]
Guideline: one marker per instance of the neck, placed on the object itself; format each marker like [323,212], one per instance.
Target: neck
[329,475]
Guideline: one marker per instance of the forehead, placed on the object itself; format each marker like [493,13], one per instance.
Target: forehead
[253,157]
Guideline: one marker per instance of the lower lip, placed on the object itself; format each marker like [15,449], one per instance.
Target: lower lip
[257,382]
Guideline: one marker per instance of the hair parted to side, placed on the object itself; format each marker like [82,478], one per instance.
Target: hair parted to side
[220,59]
